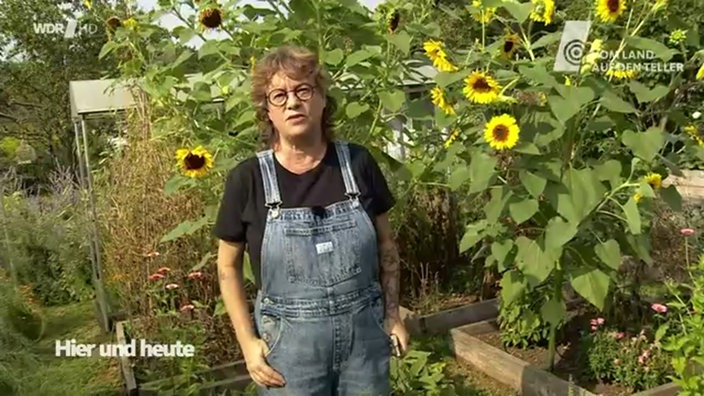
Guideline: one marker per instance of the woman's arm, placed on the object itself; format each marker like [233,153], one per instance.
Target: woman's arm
[230,274]
[234,297]
[390,266]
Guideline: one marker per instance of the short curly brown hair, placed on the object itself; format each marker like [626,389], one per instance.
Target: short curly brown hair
[298,63]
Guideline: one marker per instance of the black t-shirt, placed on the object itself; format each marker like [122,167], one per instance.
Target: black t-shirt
[242,213]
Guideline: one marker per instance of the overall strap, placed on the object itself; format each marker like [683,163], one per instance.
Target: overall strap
[271,185]
[343,153]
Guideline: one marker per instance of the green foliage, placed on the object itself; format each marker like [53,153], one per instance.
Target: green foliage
[46,241]
[685,331]
[415,374]
[520,321]
[635,362]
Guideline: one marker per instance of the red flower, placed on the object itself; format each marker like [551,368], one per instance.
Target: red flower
[156,276]
[659,308]
[687,231]
[163,270]
[195,275]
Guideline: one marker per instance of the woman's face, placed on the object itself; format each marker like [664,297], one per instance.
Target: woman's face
[295,107]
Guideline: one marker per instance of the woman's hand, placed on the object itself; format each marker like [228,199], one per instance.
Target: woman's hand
[254,351]
[395,326]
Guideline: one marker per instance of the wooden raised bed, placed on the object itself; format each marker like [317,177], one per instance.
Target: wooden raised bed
[690,185]
[520,375]
[234,376]
[230,376]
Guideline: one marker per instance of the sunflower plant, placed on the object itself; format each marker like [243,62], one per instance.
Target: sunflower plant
[559,212]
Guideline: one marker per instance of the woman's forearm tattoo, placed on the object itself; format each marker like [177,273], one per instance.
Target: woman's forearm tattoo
[390,273]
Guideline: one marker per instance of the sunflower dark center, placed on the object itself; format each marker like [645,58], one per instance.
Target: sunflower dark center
[613,5]
[211,18]
[481,85]
[508,45]
[500,133]
[194,162]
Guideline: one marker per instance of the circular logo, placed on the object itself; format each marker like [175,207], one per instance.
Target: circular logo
[573,52]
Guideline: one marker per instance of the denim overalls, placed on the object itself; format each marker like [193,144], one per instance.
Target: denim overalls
[320,306]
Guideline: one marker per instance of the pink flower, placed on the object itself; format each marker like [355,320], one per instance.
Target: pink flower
[163,270]
[659,308]
[600,321]
[171,286]
[156,276]
[687,231]
[187,307]
[620,335]
[594,327]
[195,275]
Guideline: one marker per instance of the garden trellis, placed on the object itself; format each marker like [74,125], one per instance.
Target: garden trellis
[96,99]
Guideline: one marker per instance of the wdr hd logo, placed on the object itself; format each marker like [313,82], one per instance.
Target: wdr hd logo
[69,30]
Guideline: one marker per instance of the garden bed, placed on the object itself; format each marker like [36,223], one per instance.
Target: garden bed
[480,345]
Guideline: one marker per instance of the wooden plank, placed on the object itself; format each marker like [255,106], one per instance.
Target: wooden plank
[508,369]
[125,363]
[443,321]
[663,390]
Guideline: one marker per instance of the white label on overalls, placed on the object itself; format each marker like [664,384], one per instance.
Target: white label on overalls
[325,247]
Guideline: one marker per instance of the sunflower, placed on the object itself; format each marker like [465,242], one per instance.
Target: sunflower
[130,23]
[210,17]
[692,131]
[436,53]
[621,74]
[543,11]
[510,45]
[568,82]
[392,20]
[481,88]
[610,10]
[637,197]
[677,37]
[453,136]
[483,14]
[113,23]
[194,163]
[654,180]
[501,132]
[439,100]
[700,73]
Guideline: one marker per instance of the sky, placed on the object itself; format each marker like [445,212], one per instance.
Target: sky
[170,21]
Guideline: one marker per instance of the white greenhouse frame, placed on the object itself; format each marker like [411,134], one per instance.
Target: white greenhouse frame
[91,99]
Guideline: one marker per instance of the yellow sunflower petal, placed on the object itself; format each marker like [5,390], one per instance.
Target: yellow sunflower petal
[481,88]
[654,180]
[700,73]
[610,10]
[502,132]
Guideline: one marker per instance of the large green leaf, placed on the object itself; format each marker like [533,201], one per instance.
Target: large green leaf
[358,56]
[672,197]
[554,311]
[630,209]
[645,94]
[592,284]
[534,184]
[512,286]
[482,171]
[334,57]
[187,227]
[645,145]
[472,235]
[570,103]
[609,171]
[458,177]
[444,79]
[660,50]
[402,41]
[520,11]
[609,253]
[501,249]
[523,210]
[558,232]
[584,192]
[613,102]
[500,196]
[546,40]
[535,264]
[354,109]
[393,100]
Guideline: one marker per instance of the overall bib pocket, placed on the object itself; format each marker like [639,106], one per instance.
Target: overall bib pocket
[270,329]
[322,255]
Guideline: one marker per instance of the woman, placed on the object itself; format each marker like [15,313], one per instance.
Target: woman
[312,213]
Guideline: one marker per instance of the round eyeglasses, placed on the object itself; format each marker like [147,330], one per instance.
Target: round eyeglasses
[279,97]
